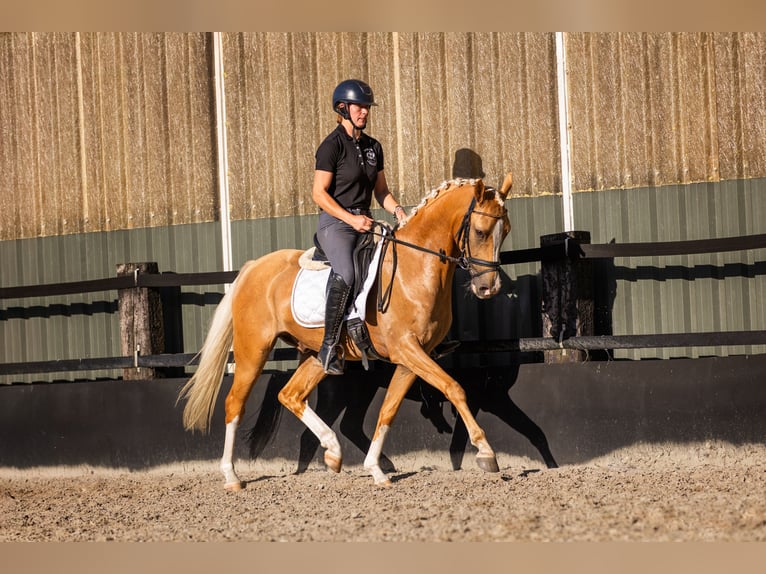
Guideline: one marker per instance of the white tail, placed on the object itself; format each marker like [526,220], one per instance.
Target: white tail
[201,391]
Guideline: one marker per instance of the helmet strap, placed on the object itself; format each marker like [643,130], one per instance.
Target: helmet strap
[343,111]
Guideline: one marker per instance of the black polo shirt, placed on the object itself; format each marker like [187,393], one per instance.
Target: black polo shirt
[355,166]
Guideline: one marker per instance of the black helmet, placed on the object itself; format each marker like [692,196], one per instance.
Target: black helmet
[352,92]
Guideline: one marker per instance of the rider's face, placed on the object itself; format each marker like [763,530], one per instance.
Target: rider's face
[358,114]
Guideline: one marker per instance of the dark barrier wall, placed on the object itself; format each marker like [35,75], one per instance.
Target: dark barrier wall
[584,411]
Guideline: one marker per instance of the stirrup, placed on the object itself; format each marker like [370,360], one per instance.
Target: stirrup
[357,330]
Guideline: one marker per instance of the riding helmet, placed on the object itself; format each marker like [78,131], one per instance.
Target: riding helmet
[352,92]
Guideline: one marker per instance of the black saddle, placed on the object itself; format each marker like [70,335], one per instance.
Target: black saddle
[363,253]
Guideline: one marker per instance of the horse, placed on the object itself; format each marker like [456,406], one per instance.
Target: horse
[460,223]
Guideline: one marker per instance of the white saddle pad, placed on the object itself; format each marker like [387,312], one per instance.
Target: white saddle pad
[308,297]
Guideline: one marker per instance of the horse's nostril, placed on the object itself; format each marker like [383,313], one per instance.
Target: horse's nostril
[483,291]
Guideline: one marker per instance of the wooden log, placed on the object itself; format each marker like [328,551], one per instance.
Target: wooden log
[567,296]
[141,324]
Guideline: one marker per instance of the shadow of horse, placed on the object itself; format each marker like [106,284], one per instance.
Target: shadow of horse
[346,399]
[490,393]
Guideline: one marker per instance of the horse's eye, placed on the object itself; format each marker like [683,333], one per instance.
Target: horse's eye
[480,234]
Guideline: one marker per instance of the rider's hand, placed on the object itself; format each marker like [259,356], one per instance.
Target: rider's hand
[361,223]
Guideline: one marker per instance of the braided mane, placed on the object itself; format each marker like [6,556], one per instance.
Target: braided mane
[447,184]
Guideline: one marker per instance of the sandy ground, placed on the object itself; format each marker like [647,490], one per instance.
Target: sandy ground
[701,492]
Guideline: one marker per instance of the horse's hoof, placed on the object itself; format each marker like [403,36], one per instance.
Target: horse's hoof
[487,463]
[383,483]
[333,462]
[233,486]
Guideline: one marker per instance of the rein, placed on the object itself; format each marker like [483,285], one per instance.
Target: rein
[465,261]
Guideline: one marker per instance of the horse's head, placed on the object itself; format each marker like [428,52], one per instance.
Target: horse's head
[482,232]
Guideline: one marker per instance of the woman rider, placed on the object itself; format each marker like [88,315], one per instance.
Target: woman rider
[349,171]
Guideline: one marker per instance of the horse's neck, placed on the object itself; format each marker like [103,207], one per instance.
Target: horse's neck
[433,228]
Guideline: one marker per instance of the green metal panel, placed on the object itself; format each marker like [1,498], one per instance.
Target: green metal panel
[685,293]
[87,325]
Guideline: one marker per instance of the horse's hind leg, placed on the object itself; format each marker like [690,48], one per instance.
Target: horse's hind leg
[245,374]
[294,396]
[397,389]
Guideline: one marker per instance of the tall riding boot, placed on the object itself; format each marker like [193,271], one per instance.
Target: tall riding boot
[337,300]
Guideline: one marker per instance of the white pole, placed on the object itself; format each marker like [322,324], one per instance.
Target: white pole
[222,154]
[566,174]
[222,157]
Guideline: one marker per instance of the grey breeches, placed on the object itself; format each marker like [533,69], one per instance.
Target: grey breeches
[338,240]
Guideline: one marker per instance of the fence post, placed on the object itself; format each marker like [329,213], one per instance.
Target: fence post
[567,296]
[141,326]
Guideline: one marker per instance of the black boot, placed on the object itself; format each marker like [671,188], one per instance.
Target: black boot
[335,309]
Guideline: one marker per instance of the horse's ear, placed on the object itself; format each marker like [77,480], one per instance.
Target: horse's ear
[478,190]
[506,187]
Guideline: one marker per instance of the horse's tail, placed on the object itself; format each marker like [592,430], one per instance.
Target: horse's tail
[201,391]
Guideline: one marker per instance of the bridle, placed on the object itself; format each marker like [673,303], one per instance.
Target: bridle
[465,260]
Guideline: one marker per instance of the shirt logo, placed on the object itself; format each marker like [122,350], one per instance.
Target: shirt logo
[369,154]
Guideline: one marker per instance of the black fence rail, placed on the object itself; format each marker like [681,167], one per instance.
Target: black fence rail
[567,248]
[123,282]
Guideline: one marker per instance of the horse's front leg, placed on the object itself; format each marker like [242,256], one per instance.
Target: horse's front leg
[397,389]
[420,363]
[294,396]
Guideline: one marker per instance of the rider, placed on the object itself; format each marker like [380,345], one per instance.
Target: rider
[349,170]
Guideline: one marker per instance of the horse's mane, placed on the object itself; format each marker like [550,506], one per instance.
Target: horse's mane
[434,193]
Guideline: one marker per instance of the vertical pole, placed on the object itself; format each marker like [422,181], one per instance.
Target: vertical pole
[81,132]
[222,157]
[564,131]
[222,152]
[142,330]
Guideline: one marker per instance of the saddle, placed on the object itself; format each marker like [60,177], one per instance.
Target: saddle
[362,256]
[308,296]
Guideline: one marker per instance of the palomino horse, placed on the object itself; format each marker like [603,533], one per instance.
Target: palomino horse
[460,223]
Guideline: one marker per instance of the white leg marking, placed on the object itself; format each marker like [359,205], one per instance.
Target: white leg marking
[325,434]
[227,463]
[372,460]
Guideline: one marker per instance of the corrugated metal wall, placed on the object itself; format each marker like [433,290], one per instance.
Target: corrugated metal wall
[104,132]
[444,100]
[661,109]
[111,138]
[107,131]
[117,131]
[639,295]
